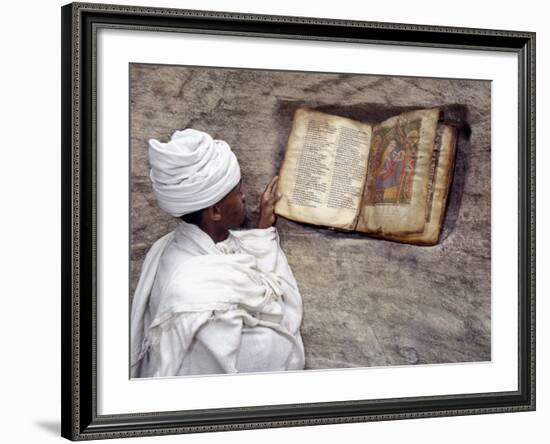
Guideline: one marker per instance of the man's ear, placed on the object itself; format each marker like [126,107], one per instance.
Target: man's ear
[214,213]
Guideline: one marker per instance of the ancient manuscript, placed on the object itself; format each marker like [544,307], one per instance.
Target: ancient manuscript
[389,179]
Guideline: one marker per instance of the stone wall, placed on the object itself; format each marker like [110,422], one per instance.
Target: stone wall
[367,302]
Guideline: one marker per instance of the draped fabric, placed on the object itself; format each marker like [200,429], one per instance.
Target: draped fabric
[202,307]
[192,171]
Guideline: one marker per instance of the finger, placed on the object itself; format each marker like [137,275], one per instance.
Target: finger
[268,186]
[272,184]
[276,197]
[273,196]
[275,187]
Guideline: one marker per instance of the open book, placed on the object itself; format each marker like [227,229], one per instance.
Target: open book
[389,179]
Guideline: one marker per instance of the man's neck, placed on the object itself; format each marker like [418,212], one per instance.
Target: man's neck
[217,233]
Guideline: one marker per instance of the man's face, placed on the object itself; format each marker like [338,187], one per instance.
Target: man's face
[233,207]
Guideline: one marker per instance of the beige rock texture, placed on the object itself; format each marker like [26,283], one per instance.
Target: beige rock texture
[367,302]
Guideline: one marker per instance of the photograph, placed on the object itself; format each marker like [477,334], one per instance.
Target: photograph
[295,220]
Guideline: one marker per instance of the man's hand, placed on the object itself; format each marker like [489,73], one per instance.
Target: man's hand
[267,204]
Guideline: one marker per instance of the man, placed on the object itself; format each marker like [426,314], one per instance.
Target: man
[210,299]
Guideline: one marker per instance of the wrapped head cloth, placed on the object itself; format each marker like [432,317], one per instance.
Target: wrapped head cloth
[192,171]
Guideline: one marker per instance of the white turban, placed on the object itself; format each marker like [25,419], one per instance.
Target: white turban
[192,171]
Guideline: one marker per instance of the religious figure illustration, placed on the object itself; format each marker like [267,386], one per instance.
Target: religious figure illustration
[389,176]
[396,152]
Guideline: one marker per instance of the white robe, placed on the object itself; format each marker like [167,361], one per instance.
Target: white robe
[202,307]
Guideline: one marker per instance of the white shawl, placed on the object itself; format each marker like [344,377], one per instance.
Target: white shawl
[202,307]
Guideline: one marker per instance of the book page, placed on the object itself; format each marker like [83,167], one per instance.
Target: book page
[438,190]
[323,172]
[394,199]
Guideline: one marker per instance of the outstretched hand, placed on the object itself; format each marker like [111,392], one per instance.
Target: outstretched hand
[267,204]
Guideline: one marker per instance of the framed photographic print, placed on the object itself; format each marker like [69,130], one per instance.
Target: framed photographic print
[276,221]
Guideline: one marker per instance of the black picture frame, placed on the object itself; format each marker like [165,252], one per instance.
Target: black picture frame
[79,211]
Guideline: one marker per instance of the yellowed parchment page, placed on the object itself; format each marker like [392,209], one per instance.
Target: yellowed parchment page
[323,172]
[394,200]
[438,192]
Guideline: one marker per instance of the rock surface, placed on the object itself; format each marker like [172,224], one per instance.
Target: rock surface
[367,302]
